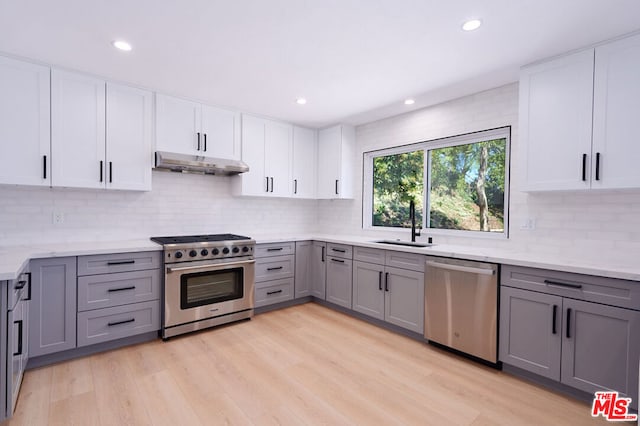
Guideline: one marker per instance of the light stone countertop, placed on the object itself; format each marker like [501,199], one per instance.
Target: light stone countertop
[14,258]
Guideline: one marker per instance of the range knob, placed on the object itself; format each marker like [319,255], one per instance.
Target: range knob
[225,250]
[215,252]
[236,250]
[204,252]
[245,249]
[178,254]
[193,253]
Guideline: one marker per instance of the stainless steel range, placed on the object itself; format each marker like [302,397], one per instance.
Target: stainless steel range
[208,281]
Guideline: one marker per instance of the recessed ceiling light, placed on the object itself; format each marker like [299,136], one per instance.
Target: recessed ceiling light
[471,25]
[409,101]
[122,45]
[301,101]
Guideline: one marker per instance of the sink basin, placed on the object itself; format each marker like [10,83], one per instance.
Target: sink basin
[403,243]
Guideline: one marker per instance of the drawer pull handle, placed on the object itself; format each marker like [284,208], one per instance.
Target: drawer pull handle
[269,293]
[561,284]
[121,262]
[275,268]
[111,324]
[339,250]
[20,285]
[553,320]
[337,260]
[111,290]
[276,249]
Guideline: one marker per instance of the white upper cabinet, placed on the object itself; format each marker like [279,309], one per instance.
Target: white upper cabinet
[129,155]
[577,119]
[304,166]
[555,122]
[25,142]
[267,150]
[616,109]
[336,147]
[77,130]
[188,127]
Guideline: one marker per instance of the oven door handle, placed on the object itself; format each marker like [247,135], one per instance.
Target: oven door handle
[210,266]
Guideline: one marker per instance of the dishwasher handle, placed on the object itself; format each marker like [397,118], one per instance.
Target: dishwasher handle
[460,268]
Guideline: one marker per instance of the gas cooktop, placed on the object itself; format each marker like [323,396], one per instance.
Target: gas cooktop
[187,239]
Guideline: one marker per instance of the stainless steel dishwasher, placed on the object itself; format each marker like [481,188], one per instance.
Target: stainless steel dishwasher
[461,306]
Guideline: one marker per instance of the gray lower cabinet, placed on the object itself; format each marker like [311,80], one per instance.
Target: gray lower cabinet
[52,310]
[275,273]
[584,344]
[391,294]
[339,279]
[310,269]
[3,349]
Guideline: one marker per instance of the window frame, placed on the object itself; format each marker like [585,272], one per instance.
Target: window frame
[426,146]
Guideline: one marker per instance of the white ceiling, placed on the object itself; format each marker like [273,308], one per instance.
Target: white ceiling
[354,60]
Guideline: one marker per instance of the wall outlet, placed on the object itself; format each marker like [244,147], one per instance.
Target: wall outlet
[528,224]
[57,218]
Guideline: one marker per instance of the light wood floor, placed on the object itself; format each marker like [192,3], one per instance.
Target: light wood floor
[302,365]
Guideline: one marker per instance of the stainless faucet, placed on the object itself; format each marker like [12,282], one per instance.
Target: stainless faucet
[412,216]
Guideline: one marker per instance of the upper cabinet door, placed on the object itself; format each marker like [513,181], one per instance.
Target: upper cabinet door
[25,139]
[221,133]
[78,130]
[278,156]
[253,182]
[129,153]
[556,99]
[178,124]
[616,109]
[305,149]
[329,158]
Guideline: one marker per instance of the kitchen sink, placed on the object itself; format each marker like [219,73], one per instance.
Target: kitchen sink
[403,243]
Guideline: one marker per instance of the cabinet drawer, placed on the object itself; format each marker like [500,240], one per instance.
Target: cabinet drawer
[609,291]
[274,249]
[340,250]
[107,290]
[102,325]
[273,268]
[119,262]
[370,255]
[274,292]
[411,261]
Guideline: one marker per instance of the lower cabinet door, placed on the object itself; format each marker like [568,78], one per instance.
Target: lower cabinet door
[600,348]
[303,271]
[530,331]
[270,292]
[368,289]
[404,298]
[318,270]
[102,325]
[339,281]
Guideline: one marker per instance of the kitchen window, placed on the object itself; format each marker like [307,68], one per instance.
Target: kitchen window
[460,185]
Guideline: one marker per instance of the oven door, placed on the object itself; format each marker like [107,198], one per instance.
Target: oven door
[201,290]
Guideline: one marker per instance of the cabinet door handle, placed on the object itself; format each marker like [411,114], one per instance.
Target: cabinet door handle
[111,290]
[101,170]
[111,324]
[110,172]
[386,281]
[597,166]
[295,186]
[198,141]
[271,184]
[44,166]
[19,323]
[275,268]
[28,274]
[336,186]
[275,249]
[584,167]
[553,319]
[337,260]
[380,280]
[269,293]
[205,142]
[322,254]
[561,284]
[568,323]
[267,184]
[121,262]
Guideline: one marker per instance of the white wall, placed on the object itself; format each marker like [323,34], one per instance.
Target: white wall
[601,226]
[179,204]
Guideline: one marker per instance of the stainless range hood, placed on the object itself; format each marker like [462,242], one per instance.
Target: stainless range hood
[198,164]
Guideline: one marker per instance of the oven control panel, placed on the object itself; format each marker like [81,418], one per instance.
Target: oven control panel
[208,251]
